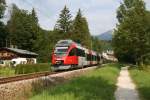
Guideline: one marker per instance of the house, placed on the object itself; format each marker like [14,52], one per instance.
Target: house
[13,57]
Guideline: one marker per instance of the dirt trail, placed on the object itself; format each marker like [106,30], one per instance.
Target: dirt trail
[126,88]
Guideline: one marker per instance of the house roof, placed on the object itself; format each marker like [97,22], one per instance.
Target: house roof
[20,51]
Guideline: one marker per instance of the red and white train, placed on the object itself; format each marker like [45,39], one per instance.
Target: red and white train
[69,54]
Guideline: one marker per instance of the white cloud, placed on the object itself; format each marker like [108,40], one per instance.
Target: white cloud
[147,4]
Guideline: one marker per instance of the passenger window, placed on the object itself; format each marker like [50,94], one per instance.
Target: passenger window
[88,57]
[72,52]
[80,53]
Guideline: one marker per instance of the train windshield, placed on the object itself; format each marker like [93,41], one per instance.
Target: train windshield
[61,51]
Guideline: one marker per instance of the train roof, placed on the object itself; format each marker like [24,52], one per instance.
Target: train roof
[66,43]
[93,52]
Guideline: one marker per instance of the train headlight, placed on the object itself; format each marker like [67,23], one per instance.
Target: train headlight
[58,62]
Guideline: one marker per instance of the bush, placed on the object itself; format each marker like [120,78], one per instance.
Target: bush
[32,68]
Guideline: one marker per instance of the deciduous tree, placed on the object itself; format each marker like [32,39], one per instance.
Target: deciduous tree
[132,36]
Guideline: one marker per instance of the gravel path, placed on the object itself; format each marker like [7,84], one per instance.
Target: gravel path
[126,88]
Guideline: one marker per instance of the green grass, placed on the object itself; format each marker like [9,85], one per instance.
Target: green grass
[94,85]
[142,80]
[24,69]
[32,68]
[6,72]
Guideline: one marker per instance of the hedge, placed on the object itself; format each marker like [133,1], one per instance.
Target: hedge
[32,68]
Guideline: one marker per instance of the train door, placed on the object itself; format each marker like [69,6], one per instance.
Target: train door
[81,57]
[87,58]
[86,62]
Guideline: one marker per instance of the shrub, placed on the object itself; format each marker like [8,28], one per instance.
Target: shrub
[32,68]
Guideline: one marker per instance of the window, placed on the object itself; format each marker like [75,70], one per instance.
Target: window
[80,52]
[93,58]
[62,50]
[73,52]
[1,62]
[88,57]
[98,58]
[14,62]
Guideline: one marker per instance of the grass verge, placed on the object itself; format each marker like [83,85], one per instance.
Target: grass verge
[94,85]
[7,71]
[24,69]
[32,68]
[142,80]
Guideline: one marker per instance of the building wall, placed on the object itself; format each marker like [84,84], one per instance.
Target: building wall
[17,61]
[5,63]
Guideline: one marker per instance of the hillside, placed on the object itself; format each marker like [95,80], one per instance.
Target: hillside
[106,35]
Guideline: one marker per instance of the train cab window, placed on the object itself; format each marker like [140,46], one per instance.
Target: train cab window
[72,52]
[62,50]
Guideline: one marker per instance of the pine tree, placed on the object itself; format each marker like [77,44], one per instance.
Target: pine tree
[77,34]
[36,30]
[22,28]
[64,22]
[81,32]
[2,8]
[34,16]
[131,39]
[87,35]
[3,32]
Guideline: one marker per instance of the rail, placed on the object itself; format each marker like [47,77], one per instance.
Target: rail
[24,77]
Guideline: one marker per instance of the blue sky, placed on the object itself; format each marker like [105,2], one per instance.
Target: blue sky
[101,14]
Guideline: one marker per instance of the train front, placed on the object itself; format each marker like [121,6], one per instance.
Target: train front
[60,55]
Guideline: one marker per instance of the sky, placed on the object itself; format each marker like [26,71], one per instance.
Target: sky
[100,14]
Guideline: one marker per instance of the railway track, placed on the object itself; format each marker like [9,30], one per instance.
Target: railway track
[24,77]
[28,76]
